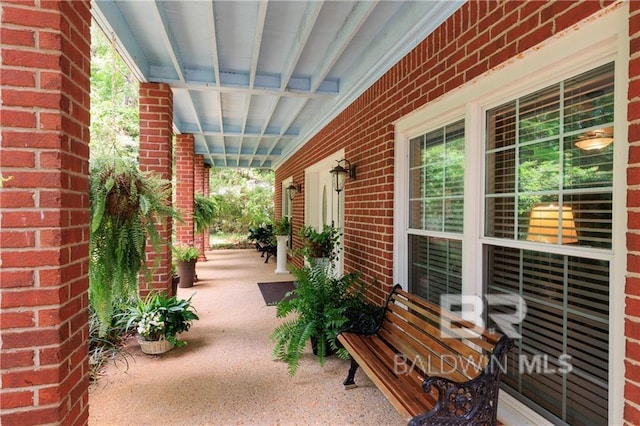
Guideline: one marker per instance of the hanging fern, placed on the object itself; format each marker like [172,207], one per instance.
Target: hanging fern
[204,212]
[125,206]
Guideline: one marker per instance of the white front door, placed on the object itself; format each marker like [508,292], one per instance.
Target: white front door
[322,206]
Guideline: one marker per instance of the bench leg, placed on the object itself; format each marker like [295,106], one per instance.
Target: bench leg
[349,383]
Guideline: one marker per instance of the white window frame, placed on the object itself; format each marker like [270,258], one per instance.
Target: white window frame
[584,46]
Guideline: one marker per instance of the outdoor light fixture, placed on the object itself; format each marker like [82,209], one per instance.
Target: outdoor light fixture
[340,173]
[293,189]
[597,139]
[545,222]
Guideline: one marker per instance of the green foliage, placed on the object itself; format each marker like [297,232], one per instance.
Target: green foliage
[317,311]
[243,197]
[114,101]
[185,253]
[282,226]
[160,317]
[320,244]
[262,235]
[125,206]
[106,347]
[204,212]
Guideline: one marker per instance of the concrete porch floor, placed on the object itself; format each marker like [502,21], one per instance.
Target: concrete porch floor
[225,375]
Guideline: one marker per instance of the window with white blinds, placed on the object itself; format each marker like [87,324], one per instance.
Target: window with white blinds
[549,179]
[540,185]
[436,193]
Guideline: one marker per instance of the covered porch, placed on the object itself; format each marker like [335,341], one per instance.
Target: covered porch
[226,375]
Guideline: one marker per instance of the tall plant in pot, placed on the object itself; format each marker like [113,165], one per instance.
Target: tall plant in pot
[186,257]
[316,313]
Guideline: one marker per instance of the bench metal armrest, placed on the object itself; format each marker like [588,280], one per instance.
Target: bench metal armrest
[473,401]
[364,323]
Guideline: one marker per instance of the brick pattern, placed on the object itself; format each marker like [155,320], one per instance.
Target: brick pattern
[185,188]
[198,176]
[156,155]
[44,209]
[632,290]
[476,38]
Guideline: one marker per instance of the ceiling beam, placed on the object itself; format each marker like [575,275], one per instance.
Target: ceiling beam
[390,46]
[305,28]
[244,88]
[352,24]
[255,55]
[168,39]
[216,72]
[109,18]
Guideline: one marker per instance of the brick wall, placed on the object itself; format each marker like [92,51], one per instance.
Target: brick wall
[476,38]
[45,48]
[156,155]
[185,188]
[632,311]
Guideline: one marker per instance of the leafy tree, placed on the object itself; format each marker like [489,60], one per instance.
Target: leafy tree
[114,101]
[244,199]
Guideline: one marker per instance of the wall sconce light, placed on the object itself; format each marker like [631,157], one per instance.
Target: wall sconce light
[293,189]
[597,139]
[545,221]
[339,174]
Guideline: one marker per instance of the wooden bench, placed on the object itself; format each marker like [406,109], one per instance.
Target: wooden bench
[428,372]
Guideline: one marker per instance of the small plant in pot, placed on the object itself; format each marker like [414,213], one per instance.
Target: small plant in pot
[320,244]
[318,312]
[186,257]
[282,226]
[158,319]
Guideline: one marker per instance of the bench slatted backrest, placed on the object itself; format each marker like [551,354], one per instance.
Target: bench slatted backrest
[459,353]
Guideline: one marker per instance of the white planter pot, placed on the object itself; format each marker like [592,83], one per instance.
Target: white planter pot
[281,255]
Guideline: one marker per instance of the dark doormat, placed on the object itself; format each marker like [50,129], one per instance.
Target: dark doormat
[274,292]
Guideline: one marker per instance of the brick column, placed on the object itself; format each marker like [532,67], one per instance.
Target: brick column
[207,192]
[44,210]
[184,188]
[198,176]
[632,289]
[156,144]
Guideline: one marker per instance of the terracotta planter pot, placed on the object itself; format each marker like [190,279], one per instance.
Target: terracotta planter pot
[187,272]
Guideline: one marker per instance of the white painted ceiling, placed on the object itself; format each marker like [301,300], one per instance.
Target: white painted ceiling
[255,80]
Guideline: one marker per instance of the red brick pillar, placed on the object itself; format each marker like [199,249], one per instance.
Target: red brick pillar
[632,290]
[207,192]
[198,176]
[156,144]
[44,209]
[184,188]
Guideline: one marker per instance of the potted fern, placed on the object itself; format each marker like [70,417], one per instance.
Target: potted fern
[126,204]
[316,313]
[186,256]
[204,212]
